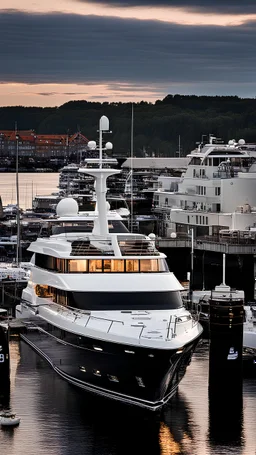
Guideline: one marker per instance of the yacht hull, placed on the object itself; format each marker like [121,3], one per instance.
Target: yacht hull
[140,376]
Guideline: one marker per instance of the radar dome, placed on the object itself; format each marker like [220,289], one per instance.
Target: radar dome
[92,145]
[231,142]
[109,145]
[67,207]
[241,142]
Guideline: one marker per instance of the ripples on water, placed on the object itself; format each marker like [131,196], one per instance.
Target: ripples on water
[57,419]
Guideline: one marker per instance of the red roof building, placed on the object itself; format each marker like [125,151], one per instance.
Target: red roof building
[40,145]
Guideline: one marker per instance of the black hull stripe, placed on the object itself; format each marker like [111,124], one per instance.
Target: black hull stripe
[100,391]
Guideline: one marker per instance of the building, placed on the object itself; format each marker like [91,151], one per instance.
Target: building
[39,146]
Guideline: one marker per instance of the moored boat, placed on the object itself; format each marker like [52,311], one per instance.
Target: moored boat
[102,307]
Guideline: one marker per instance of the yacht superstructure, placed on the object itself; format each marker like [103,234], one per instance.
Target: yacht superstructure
[217,191]
[102,307]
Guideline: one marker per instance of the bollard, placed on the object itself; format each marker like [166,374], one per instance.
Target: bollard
[4,355]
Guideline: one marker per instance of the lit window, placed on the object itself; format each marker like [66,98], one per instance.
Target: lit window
[81,368]
[149,265]
[79,266]
[60,265]
[95,265]
[97,348]
[117,265]
[43,291]
[132,265]
[107,265]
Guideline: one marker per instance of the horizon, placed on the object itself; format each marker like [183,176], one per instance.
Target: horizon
[128,102]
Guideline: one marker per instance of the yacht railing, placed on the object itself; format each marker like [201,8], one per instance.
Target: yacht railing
[88,248]
[137,247]
[229,174]
[175,322]
[234,239]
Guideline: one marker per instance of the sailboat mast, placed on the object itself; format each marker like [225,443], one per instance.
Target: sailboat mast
[18,252]
[131,184]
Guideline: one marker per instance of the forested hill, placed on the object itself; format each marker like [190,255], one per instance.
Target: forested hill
[157,126]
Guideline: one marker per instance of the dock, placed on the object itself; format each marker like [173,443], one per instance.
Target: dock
[214,245]
[16,326]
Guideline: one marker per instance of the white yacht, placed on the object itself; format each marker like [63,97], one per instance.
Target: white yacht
[102,307]
[216,193]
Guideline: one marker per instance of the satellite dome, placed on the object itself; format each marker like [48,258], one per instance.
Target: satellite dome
[67,207]
[92,145]
[109,145]
[231,142]
[241,142]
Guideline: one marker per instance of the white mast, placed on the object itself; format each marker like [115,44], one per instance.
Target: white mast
[131,175]
[101,174]
[18,249]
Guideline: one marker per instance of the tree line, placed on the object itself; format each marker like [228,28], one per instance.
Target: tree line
[158,127]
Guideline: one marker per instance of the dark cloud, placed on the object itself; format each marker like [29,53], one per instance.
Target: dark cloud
[62,48]
[216,6]
[47,93]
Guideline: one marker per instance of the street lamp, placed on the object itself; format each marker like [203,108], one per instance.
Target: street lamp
[18,251]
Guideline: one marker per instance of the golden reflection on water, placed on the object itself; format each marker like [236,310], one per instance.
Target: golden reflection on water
[14,347]
[168,446]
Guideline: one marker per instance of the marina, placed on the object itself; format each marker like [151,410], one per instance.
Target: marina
[58,345]
[128,227]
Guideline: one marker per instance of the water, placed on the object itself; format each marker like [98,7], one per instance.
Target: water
[58,419]
[30,185]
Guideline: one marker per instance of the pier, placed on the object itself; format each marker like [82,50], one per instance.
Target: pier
[208,251]
[214,244]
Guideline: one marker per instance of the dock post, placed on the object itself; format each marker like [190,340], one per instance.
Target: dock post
[225,365]
[4,356]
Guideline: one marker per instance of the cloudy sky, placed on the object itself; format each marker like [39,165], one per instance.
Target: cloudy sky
[53,51]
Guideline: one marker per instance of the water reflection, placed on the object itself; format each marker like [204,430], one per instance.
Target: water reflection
[226,415]
[176,435]
[58,419]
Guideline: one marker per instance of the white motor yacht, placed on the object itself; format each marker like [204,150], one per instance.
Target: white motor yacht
[217,192]
[102,307]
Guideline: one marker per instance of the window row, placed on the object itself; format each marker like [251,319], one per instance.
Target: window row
[201,219]
[201,190]
[101,300]
[100,265]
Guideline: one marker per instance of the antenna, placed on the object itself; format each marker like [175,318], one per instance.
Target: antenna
[103,126]
[131,184]
[18,250]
